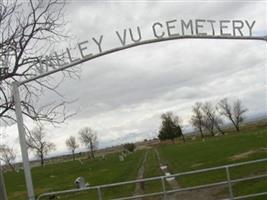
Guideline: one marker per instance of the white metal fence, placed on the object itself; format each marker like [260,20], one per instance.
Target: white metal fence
[164,192]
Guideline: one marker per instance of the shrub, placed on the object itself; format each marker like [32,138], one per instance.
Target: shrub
[129,147]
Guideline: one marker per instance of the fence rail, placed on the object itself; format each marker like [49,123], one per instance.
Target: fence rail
[165,192]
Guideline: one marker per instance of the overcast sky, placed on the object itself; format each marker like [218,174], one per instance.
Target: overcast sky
[122,95]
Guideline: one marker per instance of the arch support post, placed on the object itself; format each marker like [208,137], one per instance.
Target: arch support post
[3,194]
[22,140]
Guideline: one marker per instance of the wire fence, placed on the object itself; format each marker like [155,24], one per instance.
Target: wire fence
[164,192]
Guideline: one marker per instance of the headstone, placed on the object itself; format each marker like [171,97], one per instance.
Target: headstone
[80,161]
[121,158]
[80,182]
[169,179]
[163,167]
[124,154]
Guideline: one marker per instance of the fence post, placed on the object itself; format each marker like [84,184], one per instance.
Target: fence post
[163,188]
[229,183]
[99,193]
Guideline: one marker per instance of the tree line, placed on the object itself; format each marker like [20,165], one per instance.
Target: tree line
[87,136]
[206,118]
[37,142]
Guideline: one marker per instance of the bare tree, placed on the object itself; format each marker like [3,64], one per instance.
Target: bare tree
[197,119]
[211,120]
[28,31]
[235,112]
[38,143]
[8,156]
[72,144]
[89,138]
[218,122]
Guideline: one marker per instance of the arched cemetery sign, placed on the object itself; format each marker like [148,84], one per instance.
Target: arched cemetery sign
[128,38]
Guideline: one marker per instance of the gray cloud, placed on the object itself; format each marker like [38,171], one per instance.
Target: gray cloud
[122,95]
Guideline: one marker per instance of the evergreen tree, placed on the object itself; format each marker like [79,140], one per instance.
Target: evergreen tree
[170,128]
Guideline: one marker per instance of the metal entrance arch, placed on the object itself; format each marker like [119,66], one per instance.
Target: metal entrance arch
[16,95]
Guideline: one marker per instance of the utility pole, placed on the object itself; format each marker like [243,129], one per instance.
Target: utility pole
[3,195]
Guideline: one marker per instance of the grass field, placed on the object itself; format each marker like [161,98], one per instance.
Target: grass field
[61,176]
[249,144]
[151,170]
[216,151]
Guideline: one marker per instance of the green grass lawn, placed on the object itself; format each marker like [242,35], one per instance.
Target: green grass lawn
[152,169]
[249,144]
[216,151]
[61,176]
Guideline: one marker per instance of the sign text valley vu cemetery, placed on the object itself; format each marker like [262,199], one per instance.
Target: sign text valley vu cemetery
[159,30]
